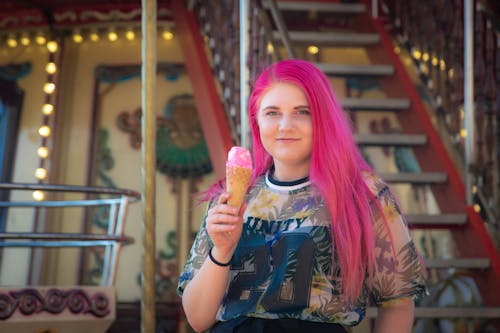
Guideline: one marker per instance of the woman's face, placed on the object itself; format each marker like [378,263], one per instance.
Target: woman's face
[285,126]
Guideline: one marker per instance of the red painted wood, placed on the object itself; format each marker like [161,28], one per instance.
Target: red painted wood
[212,116]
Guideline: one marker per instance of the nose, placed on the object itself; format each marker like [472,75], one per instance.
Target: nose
[286,122]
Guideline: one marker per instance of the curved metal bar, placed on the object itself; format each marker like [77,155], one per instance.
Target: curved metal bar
[69,188]
[63,236]
[112,238]
[55,244]
[69,203]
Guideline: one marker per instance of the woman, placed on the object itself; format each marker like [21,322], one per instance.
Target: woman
[320,233]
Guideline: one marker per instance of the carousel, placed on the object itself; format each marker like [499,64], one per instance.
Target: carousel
[101,151]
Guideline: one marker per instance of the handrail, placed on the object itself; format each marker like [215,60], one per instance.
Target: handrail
[112,240]
[280,24]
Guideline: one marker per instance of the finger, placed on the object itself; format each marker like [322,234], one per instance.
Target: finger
[224,209]
[224,197]
[220,228]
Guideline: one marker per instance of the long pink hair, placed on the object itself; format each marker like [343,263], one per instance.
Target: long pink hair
[336,168]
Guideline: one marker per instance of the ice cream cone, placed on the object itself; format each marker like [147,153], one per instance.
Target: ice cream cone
[238,174]
[238,179]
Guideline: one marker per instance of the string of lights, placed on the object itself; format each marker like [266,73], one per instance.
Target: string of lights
[48,109]
[79,35]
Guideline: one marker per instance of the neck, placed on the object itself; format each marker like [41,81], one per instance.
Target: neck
[289,174]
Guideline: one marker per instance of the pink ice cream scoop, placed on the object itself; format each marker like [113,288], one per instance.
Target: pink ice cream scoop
[239,156]
[238,174]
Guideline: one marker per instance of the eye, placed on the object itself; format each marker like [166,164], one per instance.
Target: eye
[271,113]
[304,112]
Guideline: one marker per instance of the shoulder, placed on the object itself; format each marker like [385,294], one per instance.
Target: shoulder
[375,184]
[383,200]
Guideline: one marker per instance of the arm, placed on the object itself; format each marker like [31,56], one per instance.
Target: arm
[395,316]
[203,295]
[406,275]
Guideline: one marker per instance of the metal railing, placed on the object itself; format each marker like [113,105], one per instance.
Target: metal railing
[117,202]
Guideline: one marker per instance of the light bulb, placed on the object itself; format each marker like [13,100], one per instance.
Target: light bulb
[270,48]
[112,36]
[442,65]
[40,39]
[44,131]
[40,173]
[167,34]
[38,195]
[51,68]
[94,36]
[11,41]
[77,37]
[451,73]
[52,46]
[130,34]
[312,49]
[49,88]
[43,152]
[25,40]
[477,208]
[47,109]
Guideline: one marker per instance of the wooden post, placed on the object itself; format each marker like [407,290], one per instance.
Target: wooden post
[148,163]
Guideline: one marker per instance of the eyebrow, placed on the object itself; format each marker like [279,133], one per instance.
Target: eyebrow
[274,107]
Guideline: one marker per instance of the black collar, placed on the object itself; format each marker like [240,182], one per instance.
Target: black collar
[272,180]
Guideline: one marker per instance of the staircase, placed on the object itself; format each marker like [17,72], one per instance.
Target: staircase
[376,84]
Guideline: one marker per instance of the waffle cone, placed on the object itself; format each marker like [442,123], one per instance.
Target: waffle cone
[238,180]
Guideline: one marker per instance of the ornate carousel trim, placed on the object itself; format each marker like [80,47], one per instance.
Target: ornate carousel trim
[31,301]
[77,16]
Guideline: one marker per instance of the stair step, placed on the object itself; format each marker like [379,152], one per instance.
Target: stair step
[392,139]
[330,38]
[379,104]
[445,220]
[448,312]
[464,263]
[355,70]
[415,178]
[334,8]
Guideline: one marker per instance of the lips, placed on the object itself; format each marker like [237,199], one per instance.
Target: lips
[287,139]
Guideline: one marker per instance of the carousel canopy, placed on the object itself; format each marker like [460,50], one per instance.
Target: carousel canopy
[58,15]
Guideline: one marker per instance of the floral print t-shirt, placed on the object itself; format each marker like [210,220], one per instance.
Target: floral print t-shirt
[283,267]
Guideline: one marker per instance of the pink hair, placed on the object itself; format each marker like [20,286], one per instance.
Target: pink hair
[336,168]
